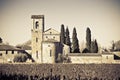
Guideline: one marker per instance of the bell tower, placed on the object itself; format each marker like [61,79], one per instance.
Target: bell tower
[37,37]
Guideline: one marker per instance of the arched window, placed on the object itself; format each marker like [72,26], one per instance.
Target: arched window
[36,24]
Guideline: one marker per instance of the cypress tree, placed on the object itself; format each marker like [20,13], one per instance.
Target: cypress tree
[88,39]
[92,49]
[94,46]
[75,44]
[67,40]
[1,40]
[62,34]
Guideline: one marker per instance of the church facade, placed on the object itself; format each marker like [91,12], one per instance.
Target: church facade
[45,44]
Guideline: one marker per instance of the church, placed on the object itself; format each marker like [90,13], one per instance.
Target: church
[46,46]
[45,43]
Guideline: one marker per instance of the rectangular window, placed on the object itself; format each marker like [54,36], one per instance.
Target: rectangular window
[50,53]
[12,52]
[106,57]
[36,39]
[0,54]
[6,52]
[37,54]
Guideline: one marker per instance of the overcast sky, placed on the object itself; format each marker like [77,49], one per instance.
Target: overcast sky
[101,16]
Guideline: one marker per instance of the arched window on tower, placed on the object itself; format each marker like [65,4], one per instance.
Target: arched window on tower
[36,24]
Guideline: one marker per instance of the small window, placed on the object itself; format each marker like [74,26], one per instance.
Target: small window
[0,54]
[50,53]
[50,32]
[6,52]
[48,45]
[37,54]
[54,37]
[106,57]
[46,37]
[36,39]
[36,24]
[12,52]
[18,52]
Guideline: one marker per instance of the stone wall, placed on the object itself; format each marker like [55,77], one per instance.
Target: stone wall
[95,58]
[48,52]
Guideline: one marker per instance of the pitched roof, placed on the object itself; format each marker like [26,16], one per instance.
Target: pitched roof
[51,31]
[7,47]
[84,54]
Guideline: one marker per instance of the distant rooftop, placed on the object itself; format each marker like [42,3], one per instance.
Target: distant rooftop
[84,54]
[37,16]
[8,47]
[89,54]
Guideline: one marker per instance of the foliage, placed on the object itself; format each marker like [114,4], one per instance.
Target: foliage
[1,40]
[75,43]
[66,59]
[85,51]
[67,40]
[113,46]
[63,58]
[88,39]
[94,47]
[51,71]
[59,58]
[62,34]
[20,57]
[116,45]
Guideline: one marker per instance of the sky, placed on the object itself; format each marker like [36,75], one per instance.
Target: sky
[101,16]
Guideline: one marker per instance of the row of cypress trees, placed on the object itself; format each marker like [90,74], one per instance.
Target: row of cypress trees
[91,46]
[65,39]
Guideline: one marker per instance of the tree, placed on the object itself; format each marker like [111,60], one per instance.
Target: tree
[85,50]
[116,46]
[75,45]
[67,40]
[94,47]
[88,39]
[1,40]
[113,46]
[20,57]
[59,58]
[62,34]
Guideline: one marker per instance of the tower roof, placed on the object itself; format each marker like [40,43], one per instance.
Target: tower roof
[37,16]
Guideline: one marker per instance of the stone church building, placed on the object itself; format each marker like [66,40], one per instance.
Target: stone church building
[45,44]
